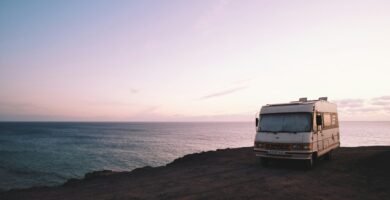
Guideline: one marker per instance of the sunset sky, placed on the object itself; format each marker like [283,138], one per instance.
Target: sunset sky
[190,60]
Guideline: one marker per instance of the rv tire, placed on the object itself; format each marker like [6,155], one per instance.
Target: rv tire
[309,163]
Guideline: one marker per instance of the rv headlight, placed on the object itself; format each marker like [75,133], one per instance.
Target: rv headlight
[259,145]
[306,146]
[301,146]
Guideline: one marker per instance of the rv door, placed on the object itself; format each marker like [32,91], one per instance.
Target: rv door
[319,125]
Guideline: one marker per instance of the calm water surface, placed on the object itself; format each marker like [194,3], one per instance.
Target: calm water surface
[35,154]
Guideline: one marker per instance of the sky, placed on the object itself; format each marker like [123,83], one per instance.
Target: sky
[203,60]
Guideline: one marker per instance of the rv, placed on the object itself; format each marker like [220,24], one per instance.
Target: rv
[301,130]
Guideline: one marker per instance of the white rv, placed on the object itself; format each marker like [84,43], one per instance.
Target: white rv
[303,130]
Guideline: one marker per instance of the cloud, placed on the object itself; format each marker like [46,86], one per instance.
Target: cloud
[365,109]
[366,106]
[377,108]
[381,101]
[350,103]
[224,92]
[384,98]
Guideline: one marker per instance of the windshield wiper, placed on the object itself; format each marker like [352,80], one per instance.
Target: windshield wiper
[280,131]
[283,131]
[269,131]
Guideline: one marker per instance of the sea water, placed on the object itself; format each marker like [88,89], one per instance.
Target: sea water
[49,153]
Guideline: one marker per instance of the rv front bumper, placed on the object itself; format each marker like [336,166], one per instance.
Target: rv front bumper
[296,155]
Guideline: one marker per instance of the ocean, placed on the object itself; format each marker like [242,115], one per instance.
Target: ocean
[49,153]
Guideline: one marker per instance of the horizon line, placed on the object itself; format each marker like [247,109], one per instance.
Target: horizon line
[108,121]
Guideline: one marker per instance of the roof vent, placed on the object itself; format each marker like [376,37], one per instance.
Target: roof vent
[323,98]
[303,99]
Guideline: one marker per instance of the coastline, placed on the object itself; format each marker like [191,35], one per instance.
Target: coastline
[355,173]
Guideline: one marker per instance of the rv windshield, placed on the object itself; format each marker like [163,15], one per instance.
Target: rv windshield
[286,122]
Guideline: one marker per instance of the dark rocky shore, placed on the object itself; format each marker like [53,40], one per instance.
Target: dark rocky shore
[354,173]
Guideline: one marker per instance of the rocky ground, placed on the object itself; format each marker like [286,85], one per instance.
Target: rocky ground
[354,173]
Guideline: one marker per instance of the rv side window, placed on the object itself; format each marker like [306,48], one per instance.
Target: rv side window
[327,120]
[330,120]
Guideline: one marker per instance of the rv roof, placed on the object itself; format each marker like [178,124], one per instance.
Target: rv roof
[293,103]
[300,106]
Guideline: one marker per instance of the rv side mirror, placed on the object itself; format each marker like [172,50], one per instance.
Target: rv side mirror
[257,121]
[319,120]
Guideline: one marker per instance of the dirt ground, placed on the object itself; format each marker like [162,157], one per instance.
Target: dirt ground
[354,173]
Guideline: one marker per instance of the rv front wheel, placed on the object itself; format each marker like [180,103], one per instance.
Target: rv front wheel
[309,163]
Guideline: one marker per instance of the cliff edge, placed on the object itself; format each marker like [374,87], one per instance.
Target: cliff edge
[354,173]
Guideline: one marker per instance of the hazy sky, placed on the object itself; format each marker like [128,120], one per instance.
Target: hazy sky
[191,60]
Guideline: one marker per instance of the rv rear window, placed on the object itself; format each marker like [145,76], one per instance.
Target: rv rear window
[286,122]
[334,119]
